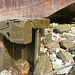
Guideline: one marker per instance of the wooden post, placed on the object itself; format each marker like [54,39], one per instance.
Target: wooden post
[36,50]
[42,32]
[24,53]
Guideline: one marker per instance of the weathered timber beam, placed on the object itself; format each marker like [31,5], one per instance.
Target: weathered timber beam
[41,23]
[36,46]
[20,30]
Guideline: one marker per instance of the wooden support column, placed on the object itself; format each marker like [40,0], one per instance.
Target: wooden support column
[36,50]
[42,32]
[24,53]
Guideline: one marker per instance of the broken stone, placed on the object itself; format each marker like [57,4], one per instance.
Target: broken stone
[22,66]
[66,36]
[56,63]
[46,33]
[5,72]
[13,71]
[66,44]
[62,28]
[42,48]
[45,50]
[72,51]
[57,50]
[65,56]
[55,36]
[43,66]
[62,39]
[52,57]
[47,53]
[53,45]
[5,59]
[65,70]
[53,25]
[48,30]
[72,72]
[47,39]
[73,25]
[73,29]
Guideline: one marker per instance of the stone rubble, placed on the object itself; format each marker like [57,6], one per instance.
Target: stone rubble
[57,50]
[65,56]
[5,72]
[47,39]
[22,66]
[43,66]
[66,44]
[58,45]
[62,28]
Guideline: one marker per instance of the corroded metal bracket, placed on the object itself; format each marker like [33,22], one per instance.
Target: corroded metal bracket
[20,30]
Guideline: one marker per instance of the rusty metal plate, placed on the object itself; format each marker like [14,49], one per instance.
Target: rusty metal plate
[31,8]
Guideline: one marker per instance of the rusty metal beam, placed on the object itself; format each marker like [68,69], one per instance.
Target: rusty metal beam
[31,8]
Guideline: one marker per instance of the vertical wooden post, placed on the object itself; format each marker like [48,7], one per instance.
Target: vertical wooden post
[24,53]
[1,51]
[42,32]
[13,50]
[36,50]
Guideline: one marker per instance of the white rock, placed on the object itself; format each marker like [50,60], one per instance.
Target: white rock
[65,70]
[57,63]
[45,49]
[65,33]
[52,57]
[5,72]
[55,36]
[73,29]
[42,48]
[55,24]
[58,36]
[42,38]
[70,32]
[57,50]
[62,39]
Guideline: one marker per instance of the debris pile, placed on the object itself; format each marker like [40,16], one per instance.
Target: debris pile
[58,45]
[57,51]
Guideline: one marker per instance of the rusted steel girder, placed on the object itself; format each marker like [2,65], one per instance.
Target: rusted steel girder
[31,8]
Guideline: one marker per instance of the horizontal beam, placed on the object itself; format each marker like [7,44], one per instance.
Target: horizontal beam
[32,8]
[20,30]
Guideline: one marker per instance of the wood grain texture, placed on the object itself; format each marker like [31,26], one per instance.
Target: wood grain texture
[20,30]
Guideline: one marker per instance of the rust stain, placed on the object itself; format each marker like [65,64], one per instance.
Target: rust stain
[11,4]
[31,8]
[3,3]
